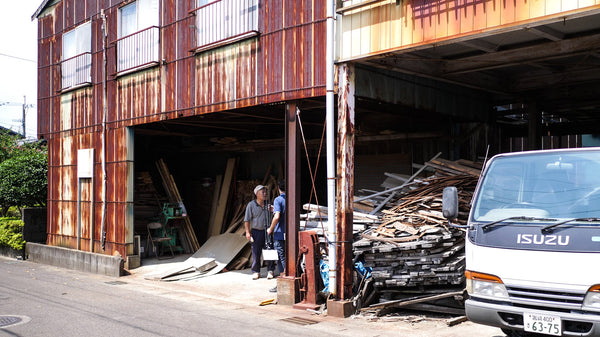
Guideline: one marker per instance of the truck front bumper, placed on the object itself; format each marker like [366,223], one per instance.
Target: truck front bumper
[510,317]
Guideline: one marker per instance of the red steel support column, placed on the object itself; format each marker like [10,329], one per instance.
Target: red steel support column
[288,285]
[345,182]
[292,193]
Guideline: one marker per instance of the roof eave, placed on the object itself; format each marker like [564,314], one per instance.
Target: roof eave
[40,10]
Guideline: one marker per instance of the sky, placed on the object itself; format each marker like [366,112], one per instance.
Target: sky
[18,65]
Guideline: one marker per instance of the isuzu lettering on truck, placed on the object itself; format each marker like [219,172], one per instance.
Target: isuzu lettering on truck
[533,243]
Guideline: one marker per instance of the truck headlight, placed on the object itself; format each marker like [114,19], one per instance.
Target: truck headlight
[485,285]
[592,298]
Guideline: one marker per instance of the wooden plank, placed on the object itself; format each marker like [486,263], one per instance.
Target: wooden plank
[435,308]
[188,236]
[404,302]
[220,249]
[456,320]
[216,226]
[456,166]
[215,202]
[323,211]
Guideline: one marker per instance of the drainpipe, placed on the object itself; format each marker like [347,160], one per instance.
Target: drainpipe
[330,141]
[104,113]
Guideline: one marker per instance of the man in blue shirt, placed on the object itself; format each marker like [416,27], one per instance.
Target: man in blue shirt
[278,227]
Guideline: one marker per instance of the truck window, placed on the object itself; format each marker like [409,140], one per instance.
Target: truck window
[564,185]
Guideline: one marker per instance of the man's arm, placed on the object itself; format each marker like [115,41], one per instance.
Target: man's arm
[247,226]
[273,223]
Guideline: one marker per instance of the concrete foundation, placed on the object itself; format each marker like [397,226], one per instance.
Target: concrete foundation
[340,308]
[74,259]
[288,290]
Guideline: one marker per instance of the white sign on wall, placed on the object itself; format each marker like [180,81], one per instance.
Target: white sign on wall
[85,163]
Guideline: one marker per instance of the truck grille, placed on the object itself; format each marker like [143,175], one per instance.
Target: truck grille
[544,298]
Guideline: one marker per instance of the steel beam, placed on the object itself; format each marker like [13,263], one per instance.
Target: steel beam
[292,181]
[345,181]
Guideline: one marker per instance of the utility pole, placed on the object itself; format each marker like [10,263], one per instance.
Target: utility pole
[24,109]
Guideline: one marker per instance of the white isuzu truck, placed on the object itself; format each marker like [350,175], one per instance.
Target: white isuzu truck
[533,243]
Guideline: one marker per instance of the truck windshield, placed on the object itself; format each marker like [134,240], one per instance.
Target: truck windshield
[557,185]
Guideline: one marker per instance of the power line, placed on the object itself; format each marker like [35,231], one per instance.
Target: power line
[18,58]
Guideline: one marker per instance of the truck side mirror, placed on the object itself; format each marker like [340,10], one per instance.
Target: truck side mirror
[450,203]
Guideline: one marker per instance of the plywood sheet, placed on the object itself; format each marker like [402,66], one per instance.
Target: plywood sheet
[218,250]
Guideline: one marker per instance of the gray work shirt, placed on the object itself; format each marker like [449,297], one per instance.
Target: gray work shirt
[256,215]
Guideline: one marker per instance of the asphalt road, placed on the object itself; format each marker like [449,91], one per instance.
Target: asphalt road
[51,301]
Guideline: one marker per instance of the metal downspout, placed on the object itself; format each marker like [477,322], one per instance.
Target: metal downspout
[331,158]
[104,117]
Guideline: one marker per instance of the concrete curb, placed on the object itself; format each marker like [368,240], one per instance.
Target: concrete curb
[74,259]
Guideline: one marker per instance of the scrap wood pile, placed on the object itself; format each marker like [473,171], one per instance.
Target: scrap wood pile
[413,247]
[316,219]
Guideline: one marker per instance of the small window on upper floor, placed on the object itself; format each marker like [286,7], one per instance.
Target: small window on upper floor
[138,41]
[76,62]
[220,22]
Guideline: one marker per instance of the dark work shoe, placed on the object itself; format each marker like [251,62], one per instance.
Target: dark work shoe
[273,290]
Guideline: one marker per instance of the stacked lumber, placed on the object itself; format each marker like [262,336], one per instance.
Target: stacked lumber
[187,234]
[413,247]
[316,219]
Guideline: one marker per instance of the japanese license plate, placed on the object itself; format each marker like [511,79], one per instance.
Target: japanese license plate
[544,324]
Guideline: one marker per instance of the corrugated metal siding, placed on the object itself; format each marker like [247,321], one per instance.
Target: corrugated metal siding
[284,62]
[45,32]
[138,98]
[385,26]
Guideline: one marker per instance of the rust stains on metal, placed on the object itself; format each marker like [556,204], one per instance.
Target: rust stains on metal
[345,183]
[285,61]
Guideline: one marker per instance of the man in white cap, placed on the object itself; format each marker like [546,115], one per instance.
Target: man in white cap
[255,222]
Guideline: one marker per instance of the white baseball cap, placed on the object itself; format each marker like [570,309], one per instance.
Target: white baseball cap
[258,188]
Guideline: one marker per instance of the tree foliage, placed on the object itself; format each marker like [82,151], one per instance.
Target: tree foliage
[23,179]
[23,172]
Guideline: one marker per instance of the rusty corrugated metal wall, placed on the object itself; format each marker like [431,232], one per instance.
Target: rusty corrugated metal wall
[284,62]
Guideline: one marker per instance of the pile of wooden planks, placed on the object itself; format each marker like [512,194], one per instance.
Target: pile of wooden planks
[413,247]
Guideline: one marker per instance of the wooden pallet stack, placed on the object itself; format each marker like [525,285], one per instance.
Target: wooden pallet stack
[413,246]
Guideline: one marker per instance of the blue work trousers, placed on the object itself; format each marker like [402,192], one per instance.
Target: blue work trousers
[280,247]
[258,236]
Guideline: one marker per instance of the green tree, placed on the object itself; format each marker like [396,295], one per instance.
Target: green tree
[9,144]
[23,178]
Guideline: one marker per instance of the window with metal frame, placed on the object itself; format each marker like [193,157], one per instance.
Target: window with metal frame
[138,42]
[220,22]
[76,62]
